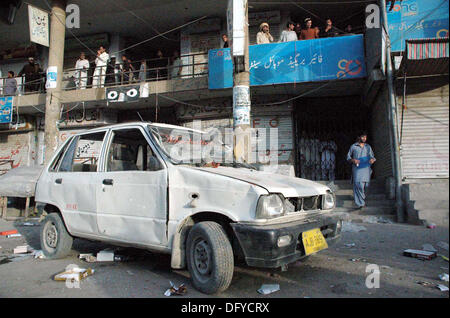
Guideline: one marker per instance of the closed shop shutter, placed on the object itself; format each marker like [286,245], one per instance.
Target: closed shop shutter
[279,117]
[425,139]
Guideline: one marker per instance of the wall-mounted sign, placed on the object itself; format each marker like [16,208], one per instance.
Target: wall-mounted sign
[39,25]
[6,109]
[293,62]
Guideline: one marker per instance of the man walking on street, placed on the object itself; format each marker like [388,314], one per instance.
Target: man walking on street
[361,157]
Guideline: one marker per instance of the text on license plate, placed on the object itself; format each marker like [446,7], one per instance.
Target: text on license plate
[313,241]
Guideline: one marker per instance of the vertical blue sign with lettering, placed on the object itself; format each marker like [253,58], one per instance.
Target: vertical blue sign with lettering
[6,109]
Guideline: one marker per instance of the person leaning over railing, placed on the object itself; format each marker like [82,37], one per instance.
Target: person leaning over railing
[32,73]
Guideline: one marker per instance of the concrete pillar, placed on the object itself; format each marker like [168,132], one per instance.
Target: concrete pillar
[241,80]
[56,58]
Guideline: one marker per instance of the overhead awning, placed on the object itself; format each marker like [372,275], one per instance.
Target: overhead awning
[425,57]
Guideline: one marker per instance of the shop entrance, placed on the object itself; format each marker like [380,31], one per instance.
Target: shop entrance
[325,128]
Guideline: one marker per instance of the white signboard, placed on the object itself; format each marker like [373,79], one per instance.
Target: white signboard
[39,25]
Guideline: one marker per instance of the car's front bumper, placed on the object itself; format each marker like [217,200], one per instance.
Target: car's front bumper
[259,242]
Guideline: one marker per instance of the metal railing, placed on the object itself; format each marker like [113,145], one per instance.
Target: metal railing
[190,66]
[22,87]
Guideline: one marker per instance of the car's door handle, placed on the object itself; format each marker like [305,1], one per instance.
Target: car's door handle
[58,181]
[108,181]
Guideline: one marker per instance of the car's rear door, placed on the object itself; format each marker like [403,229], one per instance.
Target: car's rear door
[73,183]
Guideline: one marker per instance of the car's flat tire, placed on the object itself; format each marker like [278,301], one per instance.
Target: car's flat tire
[209,258]
[56,242]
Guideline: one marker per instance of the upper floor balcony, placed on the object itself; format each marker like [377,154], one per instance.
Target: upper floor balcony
[320,67]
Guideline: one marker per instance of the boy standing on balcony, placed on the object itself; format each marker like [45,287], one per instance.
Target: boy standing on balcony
[309,33]
[289,34]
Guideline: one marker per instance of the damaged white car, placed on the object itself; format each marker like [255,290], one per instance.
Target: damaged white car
[124,185]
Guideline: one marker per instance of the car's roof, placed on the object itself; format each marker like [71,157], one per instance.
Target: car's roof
[142,124]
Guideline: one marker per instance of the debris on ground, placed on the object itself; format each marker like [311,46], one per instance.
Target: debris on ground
[105,256]
[424,255]
[38,254]
[339,288]
[353,228]
[358,260]
[13,235]
[5,233]
[443,277]
[74,274]
[23,249]
[29,224]
[445,258]
[443,245]
[349,245]
[430,225]
[175,291]
[429,248]
[426,284]
[442,287]
[267,289]
[89,257]
[372,219]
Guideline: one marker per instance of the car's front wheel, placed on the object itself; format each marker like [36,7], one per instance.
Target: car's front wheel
[209,257]
[56,242]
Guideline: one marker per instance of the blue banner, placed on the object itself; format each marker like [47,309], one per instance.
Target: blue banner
[6,109]
[417,19]
[293,62]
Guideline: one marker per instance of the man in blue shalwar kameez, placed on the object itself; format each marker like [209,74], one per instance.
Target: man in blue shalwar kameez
[361,157]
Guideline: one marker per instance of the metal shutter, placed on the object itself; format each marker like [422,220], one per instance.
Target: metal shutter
[425,142]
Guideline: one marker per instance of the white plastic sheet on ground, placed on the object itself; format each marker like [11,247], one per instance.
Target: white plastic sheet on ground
[20,182]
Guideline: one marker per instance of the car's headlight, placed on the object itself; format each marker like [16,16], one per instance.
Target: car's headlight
[328,201]
[270,206]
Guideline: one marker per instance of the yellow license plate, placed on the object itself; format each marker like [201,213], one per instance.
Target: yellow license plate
[313,241]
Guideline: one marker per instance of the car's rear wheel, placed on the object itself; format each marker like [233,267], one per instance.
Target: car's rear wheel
[56,242]
[209,257]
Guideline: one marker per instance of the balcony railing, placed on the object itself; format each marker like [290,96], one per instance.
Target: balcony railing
[190,66]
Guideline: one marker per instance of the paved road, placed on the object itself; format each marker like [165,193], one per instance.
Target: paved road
[336,272]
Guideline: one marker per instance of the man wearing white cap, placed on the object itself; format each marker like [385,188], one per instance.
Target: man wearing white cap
[263,35]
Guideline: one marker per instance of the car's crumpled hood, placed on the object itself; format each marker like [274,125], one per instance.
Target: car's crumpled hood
[274,183]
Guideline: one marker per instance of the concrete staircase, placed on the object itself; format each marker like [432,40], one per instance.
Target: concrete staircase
[427,201]
[377,204]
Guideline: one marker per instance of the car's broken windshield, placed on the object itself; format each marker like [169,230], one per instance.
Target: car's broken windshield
[193,147]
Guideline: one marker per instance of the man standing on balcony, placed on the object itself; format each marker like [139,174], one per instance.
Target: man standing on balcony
[100,67]
[225,41]
[329,30]
[81,71]
[361,157]
[263,35]
[309,32]
[32,73]
[289,34]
